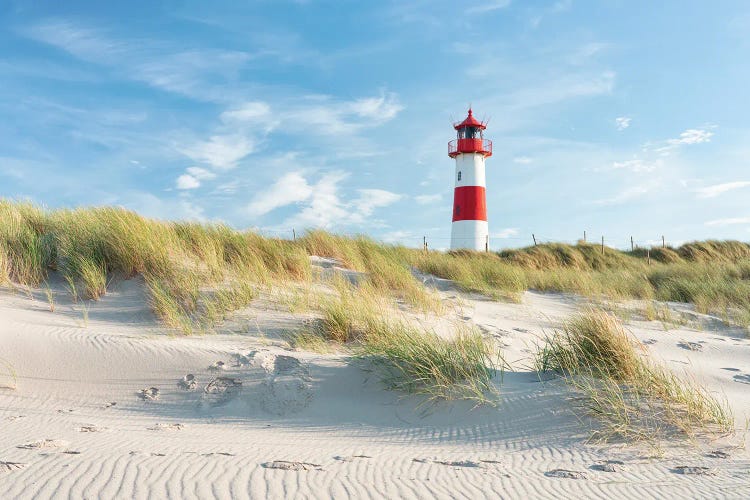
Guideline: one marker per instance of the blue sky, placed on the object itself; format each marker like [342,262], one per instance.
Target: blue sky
[616,117]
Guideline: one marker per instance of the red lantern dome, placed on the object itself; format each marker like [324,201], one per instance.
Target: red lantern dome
[470,138]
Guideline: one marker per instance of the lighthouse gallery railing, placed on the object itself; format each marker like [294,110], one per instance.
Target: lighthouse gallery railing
[470,146]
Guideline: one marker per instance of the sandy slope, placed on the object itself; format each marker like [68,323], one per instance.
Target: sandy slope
[348,436]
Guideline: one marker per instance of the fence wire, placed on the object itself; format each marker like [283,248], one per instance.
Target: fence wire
[495,243]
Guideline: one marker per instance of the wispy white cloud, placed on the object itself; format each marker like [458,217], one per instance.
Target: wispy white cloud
[249,111]
[167,66]
[219,151]
[692,136]
[290,188]
[399,236]
[729,221]
[555,8]
[566,86]
[318,114]
[488,6]
[622,122]
[187,181]
[380,109]
[508,232]
[325,208]
[638,165]
[201,173]
[686,138]
[628,194]
[369,200]
[717,189]
[321,201]
[426,199]
[523,160]
[193,177]
[584,53]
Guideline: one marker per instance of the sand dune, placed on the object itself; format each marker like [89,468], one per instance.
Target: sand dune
[240,415]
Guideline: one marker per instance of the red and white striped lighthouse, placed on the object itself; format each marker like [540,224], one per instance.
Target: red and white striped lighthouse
[469,149]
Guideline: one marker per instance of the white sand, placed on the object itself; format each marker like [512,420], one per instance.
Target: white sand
[344,434]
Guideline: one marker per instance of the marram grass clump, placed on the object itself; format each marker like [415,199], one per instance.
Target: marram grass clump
[632,397]
[408,358]
[422,362]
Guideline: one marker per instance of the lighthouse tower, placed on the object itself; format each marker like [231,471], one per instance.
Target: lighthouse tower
[469,149]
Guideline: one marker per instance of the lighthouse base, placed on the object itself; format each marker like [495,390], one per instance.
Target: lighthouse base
[470,235]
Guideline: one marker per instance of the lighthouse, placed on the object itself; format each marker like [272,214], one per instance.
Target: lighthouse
[469,149]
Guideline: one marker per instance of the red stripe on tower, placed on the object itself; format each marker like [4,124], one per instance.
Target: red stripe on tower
[469,203]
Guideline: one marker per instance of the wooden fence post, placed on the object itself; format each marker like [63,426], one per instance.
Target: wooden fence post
[294,235]
[487,243]
[648,256]
[533,236]
[632,246]
[584,236]
[663,242]
[424,242]
[602,245]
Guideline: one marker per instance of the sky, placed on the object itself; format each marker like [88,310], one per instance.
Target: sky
[618,118]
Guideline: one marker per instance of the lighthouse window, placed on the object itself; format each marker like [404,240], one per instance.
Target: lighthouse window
[470,133]
[459,176]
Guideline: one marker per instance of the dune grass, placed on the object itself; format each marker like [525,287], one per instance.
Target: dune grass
[632,397]
[407,357]
[422,362]
[195,273]
[713,275]
[184,263]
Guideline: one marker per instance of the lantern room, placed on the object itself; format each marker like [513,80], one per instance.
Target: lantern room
[470,138]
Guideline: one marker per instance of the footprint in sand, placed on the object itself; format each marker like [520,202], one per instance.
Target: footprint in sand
[608,466]
[110,404]
[286,388]
[694,470]
[188,382]
[742,379]
[281,364]
[13,418]
[44,444]
[149,394]
[690,346]
[285,394]
[732,369]
[241,360]
[458,463]
[449,463]
[350,458]
[11,466]
[718,454]
[286,465]
[89,428]
[217,366]
[220,390]
[566,474]
[166,427]
[650,341]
